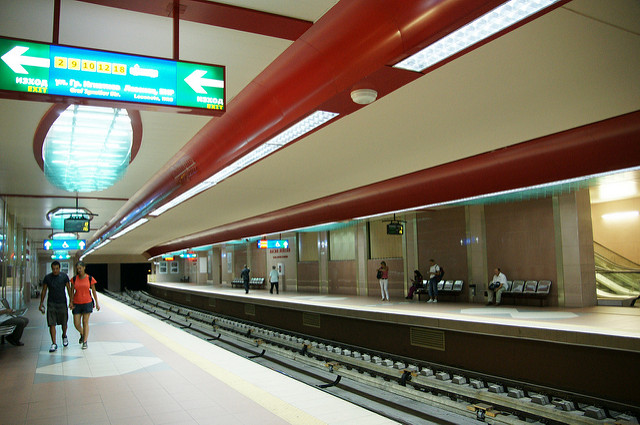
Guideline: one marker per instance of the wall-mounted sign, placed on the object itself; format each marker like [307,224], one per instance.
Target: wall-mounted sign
[273,243]
[189,255]
[64,244]
[52,70]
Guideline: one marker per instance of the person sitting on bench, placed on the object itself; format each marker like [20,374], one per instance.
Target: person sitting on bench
[417,284]
[21,322]
[497,285]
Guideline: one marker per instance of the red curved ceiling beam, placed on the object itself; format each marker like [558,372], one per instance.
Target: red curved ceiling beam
[608,145]
[354,39]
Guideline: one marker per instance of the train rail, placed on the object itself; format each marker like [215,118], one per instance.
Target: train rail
[406,390]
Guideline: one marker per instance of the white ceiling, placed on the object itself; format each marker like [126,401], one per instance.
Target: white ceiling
[576,65]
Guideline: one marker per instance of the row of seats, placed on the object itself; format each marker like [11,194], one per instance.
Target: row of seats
[528,289]
[445,287]
[254,282]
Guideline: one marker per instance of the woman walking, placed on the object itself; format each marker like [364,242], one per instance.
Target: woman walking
[83,287]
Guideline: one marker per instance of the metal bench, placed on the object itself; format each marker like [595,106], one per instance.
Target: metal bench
[6,330]
[528,289]
[448,287]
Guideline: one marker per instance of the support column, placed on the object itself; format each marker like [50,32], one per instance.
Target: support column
[113,277]
[323,262]
[410,249]
[362,258]
[476,252]
[576,279]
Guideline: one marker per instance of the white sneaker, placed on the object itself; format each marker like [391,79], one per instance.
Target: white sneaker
[430,301]
[53,348]
[65,341]
[435,301]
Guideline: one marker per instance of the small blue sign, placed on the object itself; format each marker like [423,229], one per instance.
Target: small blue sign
[273,244]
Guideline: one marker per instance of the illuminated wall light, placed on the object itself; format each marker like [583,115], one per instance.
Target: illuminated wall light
[475,31]
[617,190]
[623,215]
[308,124]
[130,228]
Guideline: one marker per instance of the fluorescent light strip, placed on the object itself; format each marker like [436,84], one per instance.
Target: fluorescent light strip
[129,228]
[294,132]
[623,215]
[475,31]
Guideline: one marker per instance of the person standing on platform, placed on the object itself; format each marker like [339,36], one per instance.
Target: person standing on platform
[244,274]
[434,277]
[57,308]
[273,278]
[497,285]
[83,287]
[417,283]
[383,277]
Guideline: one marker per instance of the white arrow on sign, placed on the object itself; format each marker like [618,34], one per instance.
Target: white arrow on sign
[286,244]
[47,245]
[14,59]
[196,81]
[81,244]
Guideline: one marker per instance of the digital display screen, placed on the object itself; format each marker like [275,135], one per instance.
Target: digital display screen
[76,225]
[45,69]
[395,229]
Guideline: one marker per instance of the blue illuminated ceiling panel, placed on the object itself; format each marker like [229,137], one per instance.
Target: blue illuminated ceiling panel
[88,149]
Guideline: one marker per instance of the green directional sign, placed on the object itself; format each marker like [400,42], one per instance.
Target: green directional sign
[48,71]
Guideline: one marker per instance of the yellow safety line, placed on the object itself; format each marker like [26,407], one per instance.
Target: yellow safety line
[275,405]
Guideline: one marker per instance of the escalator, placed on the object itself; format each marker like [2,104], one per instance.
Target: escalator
[617,277]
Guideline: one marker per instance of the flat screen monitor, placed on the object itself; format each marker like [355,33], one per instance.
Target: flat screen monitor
[76,225]
[394,228]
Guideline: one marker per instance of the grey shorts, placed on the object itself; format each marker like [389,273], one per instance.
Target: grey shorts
[57,314]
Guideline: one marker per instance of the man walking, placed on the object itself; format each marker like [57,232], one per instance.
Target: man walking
[273,278]
[57,313]
[244,274]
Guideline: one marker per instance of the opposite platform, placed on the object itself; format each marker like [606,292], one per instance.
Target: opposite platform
[600,326]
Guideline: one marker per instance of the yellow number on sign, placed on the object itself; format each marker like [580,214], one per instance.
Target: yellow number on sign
[119,69]
[74,64]
[89,66]
[104,67]
[60,62]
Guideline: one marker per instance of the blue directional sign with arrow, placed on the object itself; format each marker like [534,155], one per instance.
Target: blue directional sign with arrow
[52,70]
[273,243]
[64,244]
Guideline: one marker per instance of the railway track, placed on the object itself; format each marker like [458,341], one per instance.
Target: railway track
[406,390]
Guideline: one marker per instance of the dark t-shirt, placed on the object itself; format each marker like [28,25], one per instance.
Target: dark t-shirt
[57,286]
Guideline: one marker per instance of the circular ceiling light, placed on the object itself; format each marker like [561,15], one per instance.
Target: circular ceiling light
[87,148]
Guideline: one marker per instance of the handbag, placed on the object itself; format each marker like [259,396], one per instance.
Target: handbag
[379,275]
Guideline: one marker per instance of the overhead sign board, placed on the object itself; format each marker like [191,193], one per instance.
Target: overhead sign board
[273,243]
[51,70]
[64,244]
[76,224]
